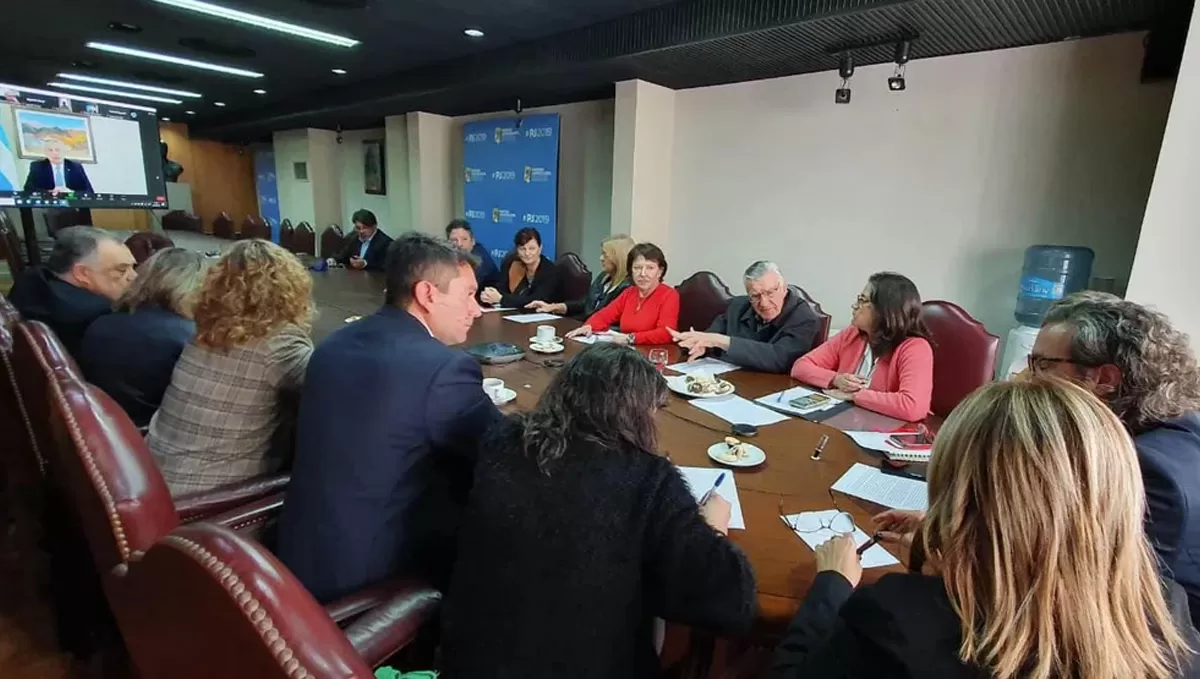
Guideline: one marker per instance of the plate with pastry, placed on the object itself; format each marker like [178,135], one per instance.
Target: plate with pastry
[735,453]
[700,385]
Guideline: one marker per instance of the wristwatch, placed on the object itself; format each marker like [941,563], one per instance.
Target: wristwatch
[630,337]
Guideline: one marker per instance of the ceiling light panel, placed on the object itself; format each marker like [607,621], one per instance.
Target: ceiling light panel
[128,85]
[259,21]
[171,59]
[72,95]
[111,93]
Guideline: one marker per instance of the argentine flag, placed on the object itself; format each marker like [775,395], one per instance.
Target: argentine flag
[8,163]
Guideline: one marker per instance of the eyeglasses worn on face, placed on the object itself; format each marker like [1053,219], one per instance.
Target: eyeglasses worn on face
[862,300]
[760,296]
[1038,363]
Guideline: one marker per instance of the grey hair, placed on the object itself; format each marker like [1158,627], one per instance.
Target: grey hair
[761,268]
[1160,379]
[169,279]
[74,244]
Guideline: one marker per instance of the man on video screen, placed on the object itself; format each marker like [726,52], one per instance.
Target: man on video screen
[55,173]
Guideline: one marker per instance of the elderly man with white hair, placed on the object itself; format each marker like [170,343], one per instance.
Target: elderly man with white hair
[766,329]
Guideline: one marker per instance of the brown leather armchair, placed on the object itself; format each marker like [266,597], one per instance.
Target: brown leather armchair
[211,603]
[10,245]
[574,277]
[702,297]
[305,240]
[178,220]
[964,354]
[253,227]
[287,235]
[823,319]
[332,240]
[222,226]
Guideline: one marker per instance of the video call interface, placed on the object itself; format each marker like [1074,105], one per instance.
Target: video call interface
[58,150]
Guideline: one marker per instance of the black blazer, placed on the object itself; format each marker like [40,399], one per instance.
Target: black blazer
[41,176]
[131,357]
[376,251]
[596,298]
[42,296]
[561,574]
[390,419]
[767,347]
[544,286]
[1169,456]
[900,627]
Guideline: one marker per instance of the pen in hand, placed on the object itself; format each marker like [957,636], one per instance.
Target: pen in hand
[868,544]
[704,498]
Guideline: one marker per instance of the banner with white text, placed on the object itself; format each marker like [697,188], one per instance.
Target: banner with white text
[510,177]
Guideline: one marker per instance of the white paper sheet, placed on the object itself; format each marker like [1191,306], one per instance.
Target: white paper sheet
[737,410]
[605,336]
[712,366]
[700,479]
[894,492]
[532,318]
[489,309]
[780,400]
[807,526]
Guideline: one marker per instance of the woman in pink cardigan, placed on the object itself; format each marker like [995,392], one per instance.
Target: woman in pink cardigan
[883,361]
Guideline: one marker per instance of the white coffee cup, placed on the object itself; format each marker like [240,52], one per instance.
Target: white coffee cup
[546,333]
[493,387]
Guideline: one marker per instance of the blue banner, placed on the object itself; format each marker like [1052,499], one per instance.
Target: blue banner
[511,180]
[267,186]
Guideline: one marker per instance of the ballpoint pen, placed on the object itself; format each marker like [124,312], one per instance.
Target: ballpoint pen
[816,455]
[868,544]
[719,481]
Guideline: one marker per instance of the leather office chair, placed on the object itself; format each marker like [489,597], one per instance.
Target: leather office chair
[145,243]
[823,319]
[178,220]
[574,277]
[287,235]
[702,297]
[222,226]
[305,239]
[332,240]
[964,354]
[58,219]
[214,604]
[253,227]
[10,245]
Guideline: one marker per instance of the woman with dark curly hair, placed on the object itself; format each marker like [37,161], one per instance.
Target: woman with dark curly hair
[218,419]
[578,534]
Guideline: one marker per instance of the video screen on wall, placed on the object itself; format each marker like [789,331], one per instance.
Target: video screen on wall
[60,150]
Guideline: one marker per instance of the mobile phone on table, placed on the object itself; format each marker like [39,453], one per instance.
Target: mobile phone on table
[910,440]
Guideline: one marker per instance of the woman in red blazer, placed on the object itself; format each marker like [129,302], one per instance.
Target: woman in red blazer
[646,309]
[883,361]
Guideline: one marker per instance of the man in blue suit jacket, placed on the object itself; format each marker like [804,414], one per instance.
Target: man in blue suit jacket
[55,173]
[389,421]
[1132,358]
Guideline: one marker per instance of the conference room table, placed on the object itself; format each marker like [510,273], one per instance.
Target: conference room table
[784,566]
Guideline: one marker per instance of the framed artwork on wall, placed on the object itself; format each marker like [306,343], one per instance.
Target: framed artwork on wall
[374,169]
[38,129]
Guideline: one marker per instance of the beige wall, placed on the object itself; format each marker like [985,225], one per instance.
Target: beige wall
[323,169]
[949,182]
[1164,270]
[295,197]
[643,143]
[585,173]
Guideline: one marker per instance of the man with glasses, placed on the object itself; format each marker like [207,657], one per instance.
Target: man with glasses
[766,329]
[1144,369]
[87,271]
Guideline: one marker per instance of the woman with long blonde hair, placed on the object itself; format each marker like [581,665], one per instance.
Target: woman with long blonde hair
[606,286]
[1035,560]
[219,417]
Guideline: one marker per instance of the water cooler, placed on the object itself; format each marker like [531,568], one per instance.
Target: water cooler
[1051,272]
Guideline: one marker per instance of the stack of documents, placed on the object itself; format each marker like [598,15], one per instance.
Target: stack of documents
[893,492]
[808,526]
[700,479]
[737,410]
[799,401]
[711,366]
[605,336]
[532,318]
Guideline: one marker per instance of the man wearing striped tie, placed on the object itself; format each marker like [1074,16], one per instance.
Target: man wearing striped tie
[56,174]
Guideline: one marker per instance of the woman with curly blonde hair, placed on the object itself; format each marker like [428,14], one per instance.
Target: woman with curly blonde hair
[218,420]
[1031,563]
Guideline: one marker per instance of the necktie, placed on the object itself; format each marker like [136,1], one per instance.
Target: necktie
[59,178]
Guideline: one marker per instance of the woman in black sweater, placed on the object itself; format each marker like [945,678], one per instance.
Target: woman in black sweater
[577,535]
[525,274]
[1038,564]
[606,286]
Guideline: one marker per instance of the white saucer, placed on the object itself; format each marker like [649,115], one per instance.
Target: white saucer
[755,455]
[506,396]
[552,340]
[552,348]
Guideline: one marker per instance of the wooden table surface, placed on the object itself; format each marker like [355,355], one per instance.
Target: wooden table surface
[784,566]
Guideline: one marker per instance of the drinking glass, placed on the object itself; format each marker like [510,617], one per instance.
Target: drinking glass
[659,358]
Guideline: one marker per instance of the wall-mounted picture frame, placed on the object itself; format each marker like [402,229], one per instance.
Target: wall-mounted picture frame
[37,127]
[374,168]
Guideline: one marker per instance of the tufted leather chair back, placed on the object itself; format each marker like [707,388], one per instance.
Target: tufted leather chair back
[305,240]
[823,319]
[287,235]
[215,604]
[253,227]
[10,245]
[702,297]
[964,354]
[222,226]
[178,220]
[574,277]
[332,240]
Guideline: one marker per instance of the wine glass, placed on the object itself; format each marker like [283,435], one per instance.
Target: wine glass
[659,358]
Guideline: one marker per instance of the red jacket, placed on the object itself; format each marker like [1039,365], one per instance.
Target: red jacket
[901,386]
[648,319]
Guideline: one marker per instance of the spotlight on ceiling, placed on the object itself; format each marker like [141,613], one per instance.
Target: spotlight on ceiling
[111,93]
[846,70]
[338,71]
[165,120]
[473,33]
[190,113]
[260,91]
[218,103]
[128,85]
[259,21]
[172,59]
[896,83]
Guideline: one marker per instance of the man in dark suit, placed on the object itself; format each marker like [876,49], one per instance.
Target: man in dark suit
[369,249]
[459,232]
[389,421]
[55,173]
[1132,358]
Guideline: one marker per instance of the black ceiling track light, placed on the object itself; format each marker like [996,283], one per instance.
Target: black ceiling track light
[896,83]
[845,69]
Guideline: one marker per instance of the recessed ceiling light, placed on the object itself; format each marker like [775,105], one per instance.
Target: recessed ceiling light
[111,93]
[339,71]
[260,91]
[190,113]
[218,103]
[171,59]
[473,33]
[165,120]
[72,95]
[261,22]
[132,86]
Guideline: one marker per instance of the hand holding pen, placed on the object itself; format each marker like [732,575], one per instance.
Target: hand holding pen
[715,509]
